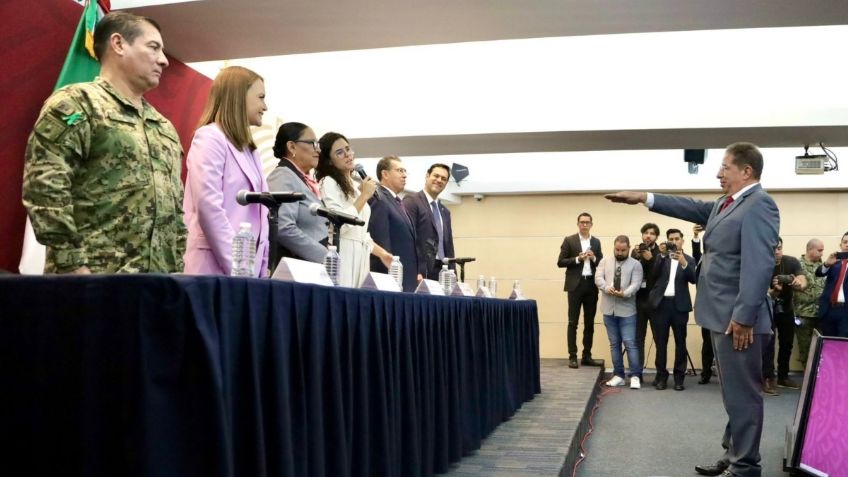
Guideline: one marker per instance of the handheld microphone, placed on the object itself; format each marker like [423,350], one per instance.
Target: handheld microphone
[334,216]
[268,199]
[361,171]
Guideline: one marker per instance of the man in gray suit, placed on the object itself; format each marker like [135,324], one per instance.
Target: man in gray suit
[741,231]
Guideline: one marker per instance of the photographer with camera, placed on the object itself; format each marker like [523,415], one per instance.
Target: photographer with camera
[646,253]
[671,304]
[787,277]
[832,309]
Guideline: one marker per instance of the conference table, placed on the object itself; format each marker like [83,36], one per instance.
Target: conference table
[174,375]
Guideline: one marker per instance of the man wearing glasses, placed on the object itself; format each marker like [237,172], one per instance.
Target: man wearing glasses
[432,221]
[390,226]
[579,254]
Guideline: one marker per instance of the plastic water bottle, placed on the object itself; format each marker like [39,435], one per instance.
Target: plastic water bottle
[493,287]
[244,252]
[332,263]
[444,279]
[396,271]
[481,282]
[453,280]
[516,287]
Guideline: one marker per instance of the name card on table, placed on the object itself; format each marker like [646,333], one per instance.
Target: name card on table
[462,289]
[429,287]
[380,281]
[301,271]
[484,292]
[516,295]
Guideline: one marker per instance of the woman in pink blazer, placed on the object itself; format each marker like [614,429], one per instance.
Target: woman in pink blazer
[222,161]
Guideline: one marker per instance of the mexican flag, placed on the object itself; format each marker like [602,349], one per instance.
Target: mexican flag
[80,65]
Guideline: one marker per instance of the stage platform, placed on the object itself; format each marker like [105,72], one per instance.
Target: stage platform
[543,438]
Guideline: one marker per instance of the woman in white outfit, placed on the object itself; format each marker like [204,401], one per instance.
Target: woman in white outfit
[335,174]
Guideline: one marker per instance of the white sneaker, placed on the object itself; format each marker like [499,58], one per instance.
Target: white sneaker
[615,382]
[634,383]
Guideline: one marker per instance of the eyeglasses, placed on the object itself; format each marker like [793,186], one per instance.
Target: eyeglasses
[343,152]
[314,143]
[400,169]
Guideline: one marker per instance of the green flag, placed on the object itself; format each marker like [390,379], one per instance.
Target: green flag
[81,65]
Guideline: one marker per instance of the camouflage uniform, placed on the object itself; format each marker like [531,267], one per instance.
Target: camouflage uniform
[102,183]
[807,307]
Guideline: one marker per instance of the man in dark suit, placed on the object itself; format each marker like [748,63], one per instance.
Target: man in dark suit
[741,230]
[389,225]
[671,303]
[579,255]
[833,313]
[432,221]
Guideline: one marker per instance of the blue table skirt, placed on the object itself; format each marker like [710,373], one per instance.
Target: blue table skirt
[156,375]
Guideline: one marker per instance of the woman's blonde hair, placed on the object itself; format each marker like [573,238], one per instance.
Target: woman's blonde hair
[227,105]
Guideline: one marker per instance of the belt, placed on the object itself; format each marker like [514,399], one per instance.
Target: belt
[587,277]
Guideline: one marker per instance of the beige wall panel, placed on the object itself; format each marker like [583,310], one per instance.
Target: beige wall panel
[518,238]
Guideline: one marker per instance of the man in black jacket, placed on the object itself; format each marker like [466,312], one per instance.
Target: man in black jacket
[579,254]
[647,253]
[671,302]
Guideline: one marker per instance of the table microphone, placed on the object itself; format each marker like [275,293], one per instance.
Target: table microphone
[244,197]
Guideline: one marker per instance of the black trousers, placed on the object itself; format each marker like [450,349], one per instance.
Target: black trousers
[784,326]
[585,295]
[707,354]
[643,318]
[668,318]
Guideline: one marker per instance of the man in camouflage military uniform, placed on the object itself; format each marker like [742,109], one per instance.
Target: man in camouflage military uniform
[102,175]
[807,300]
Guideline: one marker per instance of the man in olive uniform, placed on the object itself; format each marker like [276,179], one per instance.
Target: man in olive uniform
[102,174]
[807,300]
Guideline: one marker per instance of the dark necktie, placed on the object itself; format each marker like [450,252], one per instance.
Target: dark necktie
[437,219]
[839,282]
[402,208]
[726,204]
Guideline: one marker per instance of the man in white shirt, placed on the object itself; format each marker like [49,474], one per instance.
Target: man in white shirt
[579,254]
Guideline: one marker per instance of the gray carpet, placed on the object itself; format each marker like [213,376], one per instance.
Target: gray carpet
[666,433]
[534,443]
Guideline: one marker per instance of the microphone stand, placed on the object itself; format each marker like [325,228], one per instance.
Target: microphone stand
[334,231]
[461,262]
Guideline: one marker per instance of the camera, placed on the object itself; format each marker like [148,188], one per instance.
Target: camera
[642,247]
[841,255]
[785,279]
[778,306]
[670,247]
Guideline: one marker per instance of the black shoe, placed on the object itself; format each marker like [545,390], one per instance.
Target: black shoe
[714,469]
[572,363]
[661,385]
[679,387]
[591,362]
[705,379]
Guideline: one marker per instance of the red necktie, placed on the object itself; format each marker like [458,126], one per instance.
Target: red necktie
[726,204]
[839,281]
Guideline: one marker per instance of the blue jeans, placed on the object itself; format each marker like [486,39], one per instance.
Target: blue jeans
[622,329]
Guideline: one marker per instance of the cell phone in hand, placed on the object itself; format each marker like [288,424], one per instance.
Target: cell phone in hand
[841,255]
